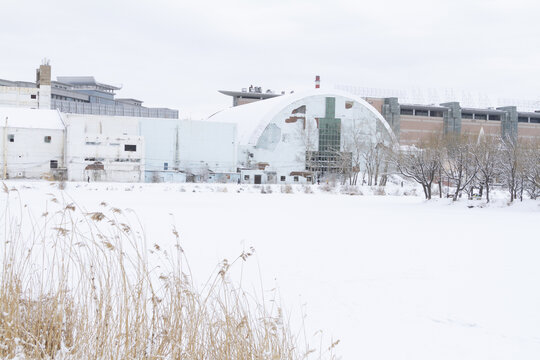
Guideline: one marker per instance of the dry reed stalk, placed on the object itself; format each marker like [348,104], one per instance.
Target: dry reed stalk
[75,290]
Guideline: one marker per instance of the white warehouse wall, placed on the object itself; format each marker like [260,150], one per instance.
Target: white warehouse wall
[11,96]
[29,154]
[207,145]
[112,142]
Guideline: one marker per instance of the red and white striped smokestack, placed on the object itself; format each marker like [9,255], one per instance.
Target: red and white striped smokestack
[317,82]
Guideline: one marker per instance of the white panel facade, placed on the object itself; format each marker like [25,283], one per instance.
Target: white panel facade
[104,148]
[205,145]
[31,143]
[23,97]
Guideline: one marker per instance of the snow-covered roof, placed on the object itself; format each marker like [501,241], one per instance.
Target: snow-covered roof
[30,118]
[252,118]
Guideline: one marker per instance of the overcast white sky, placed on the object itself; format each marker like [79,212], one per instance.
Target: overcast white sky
[177,54]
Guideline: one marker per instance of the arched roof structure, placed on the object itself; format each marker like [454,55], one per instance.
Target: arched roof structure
[252,119]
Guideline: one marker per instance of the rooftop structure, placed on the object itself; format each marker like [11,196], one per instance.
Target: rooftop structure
[249,95]
[75,94]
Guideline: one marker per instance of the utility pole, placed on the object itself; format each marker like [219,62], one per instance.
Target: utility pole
[4,142]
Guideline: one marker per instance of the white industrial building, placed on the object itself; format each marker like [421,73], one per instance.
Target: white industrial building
[47,144]
[287,139]
[104,148]
[295,137]
[32,143]
[93,136]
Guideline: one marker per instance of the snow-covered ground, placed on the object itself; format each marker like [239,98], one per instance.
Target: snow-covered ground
[391,277]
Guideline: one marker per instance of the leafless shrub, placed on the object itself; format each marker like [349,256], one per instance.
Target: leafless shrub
[351,190]
[379,190]
[328,187]
[411,192]
[286,189]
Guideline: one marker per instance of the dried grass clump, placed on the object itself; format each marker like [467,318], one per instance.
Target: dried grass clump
[328,187]
[86,290]
[411,192]
[286,189]
[379,190]
[351,190]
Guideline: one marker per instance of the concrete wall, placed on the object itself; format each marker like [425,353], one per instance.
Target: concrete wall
[24,97]
[97,141]
[29,155]
[528,131]
[194,147]
[160,138]
[474,127]
[207,145]
[414,129]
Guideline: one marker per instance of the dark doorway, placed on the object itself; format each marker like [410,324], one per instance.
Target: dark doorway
[258,179]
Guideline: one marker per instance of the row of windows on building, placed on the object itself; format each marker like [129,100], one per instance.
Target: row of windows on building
[127,147]
[420,112]
[65,98]
[467,115]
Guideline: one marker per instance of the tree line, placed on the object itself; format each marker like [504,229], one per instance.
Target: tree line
[463,164]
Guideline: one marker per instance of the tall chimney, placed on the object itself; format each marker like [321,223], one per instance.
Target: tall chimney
[317,82]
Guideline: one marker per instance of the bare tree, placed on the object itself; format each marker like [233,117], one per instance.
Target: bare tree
[486,155]
[511,167]
[420,164]
[367,155]
[531,168]
[459,163]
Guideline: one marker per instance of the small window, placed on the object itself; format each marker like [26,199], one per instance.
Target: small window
[11,138]
[165,166]
[535,120]
[421,113]
[246,177]
[494,117]
[308,178]
[406,111]
[282,178]
[434,113]
[47,139]
[296,178]
[523,119]
[54,164]
[480,116]
[465,115]
[130,147]
[33,96]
